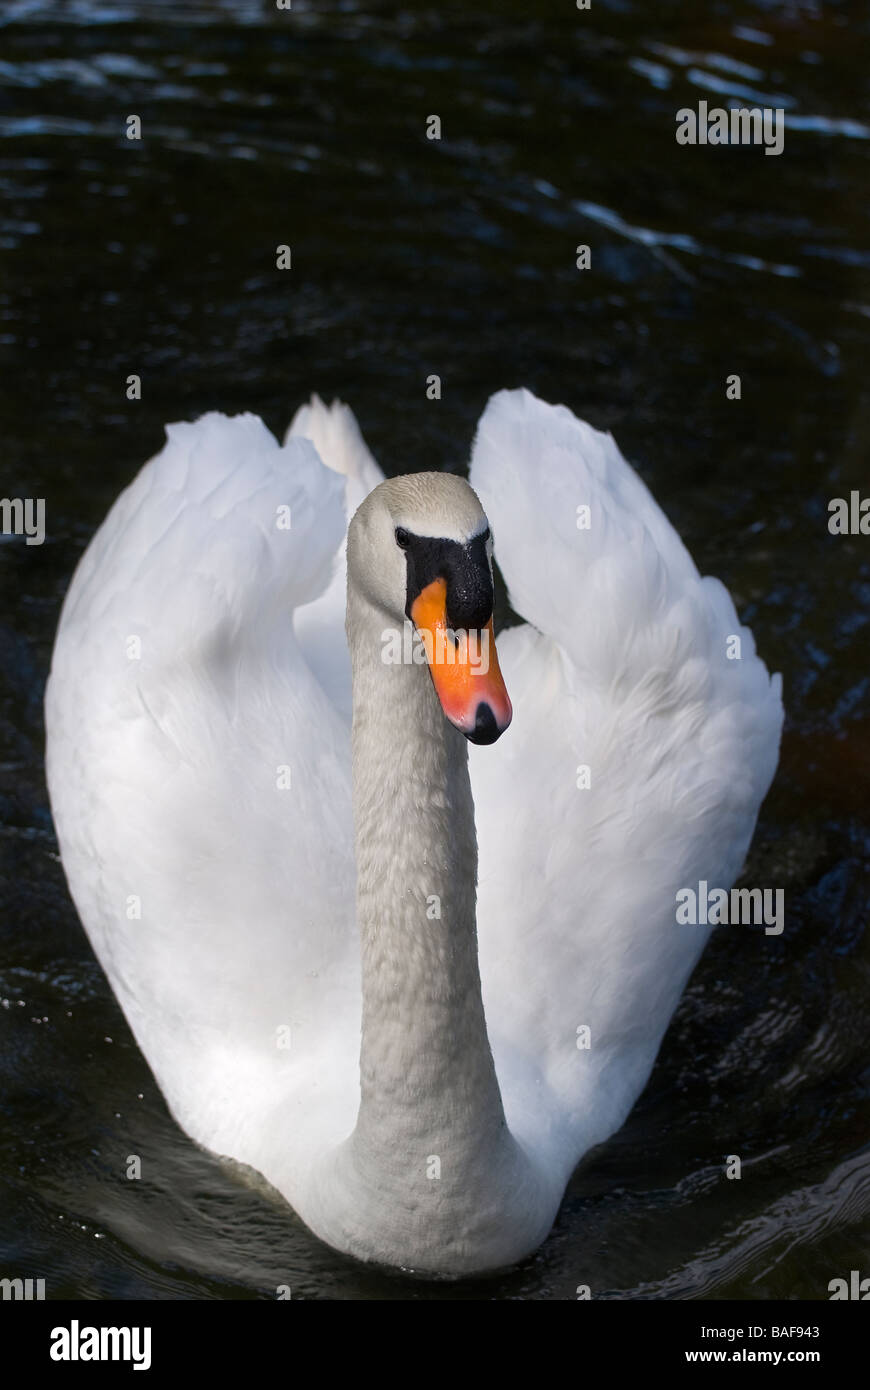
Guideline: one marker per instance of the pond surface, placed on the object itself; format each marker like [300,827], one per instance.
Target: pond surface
[456,257]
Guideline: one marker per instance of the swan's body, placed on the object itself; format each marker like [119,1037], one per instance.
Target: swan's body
[168,760]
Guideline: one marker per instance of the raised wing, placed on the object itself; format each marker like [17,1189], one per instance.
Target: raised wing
[213,869]
[639,754]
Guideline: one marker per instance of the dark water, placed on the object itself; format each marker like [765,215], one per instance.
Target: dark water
[412,257]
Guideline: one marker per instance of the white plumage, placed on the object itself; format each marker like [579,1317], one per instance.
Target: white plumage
[201,663]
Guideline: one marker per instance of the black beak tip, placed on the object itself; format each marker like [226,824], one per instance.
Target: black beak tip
[485,729]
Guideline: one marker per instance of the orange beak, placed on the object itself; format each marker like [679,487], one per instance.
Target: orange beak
[464,668]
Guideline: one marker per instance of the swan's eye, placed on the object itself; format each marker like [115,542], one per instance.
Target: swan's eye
[403,538]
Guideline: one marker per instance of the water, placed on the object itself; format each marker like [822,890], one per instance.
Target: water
[412,257]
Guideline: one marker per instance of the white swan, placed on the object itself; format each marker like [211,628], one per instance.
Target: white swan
[199,764]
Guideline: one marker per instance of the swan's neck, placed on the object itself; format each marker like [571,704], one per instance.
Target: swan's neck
[431,1176]
[428,1082]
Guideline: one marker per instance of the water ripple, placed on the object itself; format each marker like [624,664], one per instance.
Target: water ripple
[799,1218]
[679,241]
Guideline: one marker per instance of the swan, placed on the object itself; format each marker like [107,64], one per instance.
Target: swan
[273,835]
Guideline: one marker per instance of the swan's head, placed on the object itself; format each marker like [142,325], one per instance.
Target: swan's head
[420,548]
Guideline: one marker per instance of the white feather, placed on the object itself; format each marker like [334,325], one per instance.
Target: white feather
[623,669]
